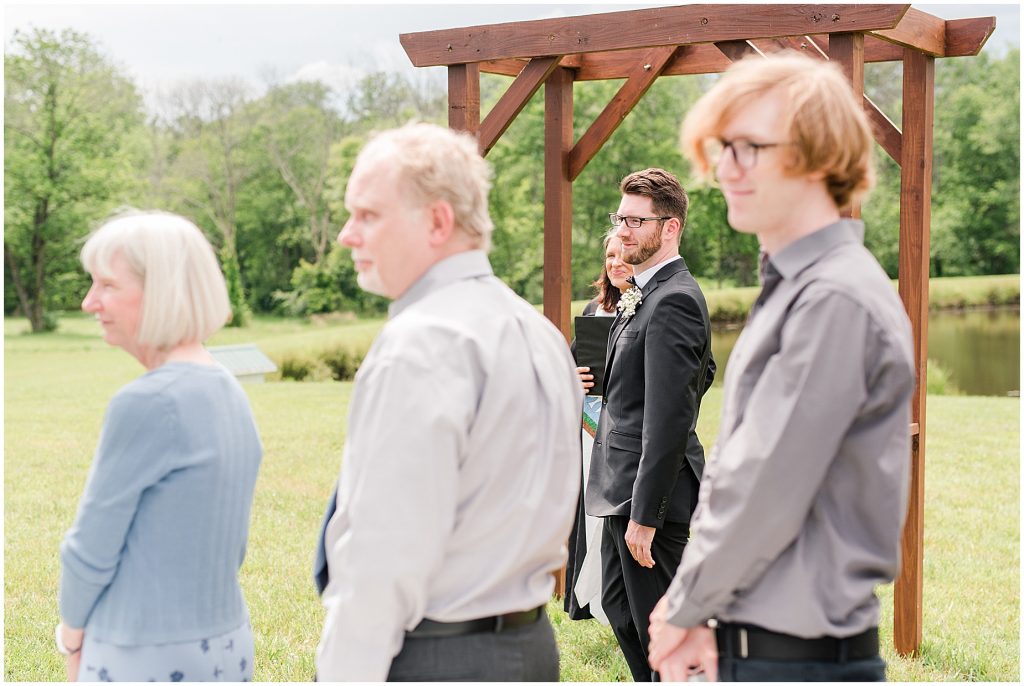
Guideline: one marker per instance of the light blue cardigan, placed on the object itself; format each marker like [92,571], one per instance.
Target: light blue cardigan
[154,552]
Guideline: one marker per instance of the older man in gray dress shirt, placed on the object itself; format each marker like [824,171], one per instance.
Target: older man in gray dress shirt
[460,469]
[804,497]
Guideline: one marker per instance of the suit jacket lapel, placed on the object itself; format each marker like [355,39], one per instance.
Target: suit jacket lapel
[613,335]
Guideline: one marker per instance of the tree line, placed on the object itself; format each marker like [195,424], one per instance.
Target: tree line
[263,173]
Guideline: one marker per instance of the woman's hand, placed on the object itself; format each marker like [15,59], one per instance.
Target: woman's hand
[586,378]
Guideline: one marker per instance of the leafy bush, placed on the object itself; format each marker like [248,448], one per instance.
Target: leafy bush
[328,286]
[342,362]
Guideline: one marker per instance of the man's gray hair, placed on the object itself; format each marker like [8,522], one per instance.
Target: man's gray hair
[435,163]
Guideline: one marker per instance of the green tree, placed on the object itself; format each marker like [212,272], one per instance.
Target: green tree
[298,129]
[68,115]
[976,218]
[213,155]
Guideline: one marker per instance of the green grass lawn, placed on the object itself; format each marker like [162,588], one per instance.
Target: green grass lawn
[57,386]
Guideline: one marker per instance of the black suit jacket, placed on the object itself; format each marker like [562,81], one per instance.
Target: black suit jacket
[647,459]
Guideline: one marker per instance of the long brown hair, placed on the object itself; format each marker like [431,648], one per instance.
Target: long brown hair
[607,294]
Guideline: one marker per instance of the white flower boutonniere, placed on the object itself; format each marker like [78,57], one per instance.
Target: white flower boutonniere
[629,301]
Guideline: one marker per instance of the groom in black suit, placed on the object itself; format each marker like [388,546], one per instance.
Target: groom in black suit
[647,460]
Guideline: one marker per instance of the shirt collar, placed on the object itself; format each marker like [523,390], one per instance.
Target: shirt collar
[799,255]
[646,275]
[464,265]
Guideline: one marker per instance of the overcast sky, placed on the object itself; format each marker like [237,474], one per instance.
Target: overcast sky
[159,45]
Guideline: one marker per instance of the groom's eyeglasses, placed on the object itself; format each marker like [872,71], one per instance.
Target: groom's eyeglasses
[633,222]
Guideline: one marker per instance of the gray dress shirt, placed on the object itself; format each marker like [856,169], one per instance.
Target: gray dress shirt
[460,470]
[803,500]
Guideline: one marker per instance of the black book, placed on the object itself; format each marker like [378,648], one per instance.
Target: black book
[592,347]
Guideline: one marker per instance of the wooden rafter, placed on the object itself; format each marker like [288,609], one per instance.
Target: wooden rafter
[644,74]
[918,30]
[647,28]
[508,107]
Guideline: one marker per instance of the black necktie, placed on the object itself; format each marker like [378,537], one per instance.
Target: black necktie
[770,278]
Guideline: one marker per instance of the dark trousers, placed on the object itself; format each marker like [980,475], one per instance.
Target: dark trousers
[526,653]
[629,592]
[734,669]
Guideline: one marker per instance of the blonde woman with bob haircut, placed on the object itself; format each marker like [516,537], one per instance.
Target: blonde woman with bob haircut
[149,569]
[800,512]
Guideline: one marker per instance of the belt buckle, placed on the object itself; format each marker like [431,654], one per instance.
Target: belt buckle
[742,633]
[499,623]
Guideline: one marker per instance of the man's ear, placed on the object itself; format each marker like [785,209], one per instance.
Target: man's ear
[671,228]
[442,222]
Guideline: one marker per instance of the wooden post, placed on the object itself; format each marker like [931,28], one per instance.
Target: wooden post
[464,97]
[558,213]
[915,234]
[847,50]
[557,198]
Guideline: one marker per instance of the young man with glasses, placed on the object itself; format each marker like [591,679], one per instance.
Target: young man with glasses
[804,497]
[647,460]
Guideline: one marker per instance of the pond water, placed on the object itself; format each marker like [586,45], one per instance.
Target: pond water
[980,349]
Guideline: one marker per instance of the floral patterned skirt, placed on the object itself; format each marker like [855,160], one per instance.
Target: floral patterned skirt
[227,657]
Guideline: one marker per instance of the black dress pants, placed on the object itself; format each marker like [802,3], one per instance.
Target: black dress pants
[629,592]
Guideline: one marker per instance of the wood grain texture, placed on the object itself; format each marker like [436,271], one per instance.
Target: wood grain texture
[464,97]
[965,37]
[514,100]
[558,114]
[915,238]
[919,30]
[641,29]
[644,73]
[702,58]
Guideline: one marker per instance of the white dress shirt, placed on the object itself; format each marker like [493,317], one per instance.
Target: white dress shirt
[460,468]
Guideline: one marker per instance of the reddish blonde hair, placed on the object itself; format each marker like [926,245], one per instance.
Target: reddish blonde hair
[824,120]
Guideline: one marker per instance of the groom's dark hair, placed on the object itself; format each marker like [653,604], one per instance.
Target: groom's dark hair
[666,193]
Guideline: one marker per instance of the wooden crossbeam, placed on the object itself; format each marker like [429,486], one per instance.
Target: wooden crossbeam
[645,28]
[964,37]
[702,58]
[514,100]
[644,74]
[918,30]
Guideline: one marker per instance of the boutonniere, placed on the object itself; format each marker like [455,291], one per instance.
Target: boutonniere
[629,301]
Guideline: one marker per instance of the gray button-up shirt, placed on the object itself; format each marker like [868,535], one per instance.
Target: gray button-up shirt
[460,472]
[804,497]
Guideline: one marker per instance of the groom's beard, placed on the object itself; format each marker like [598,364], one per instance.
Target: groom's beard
[647,246]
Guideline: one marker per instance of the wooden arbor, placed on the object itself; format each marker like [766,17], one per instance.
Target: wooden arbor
[640,46]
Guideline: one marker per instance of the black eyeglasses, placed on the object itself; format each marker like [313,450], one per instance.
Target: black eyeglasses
[744,153]
[633,222]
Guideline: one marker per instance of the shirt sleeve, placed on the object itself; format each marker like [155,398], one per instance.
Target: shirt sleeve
[762,481]
[130,458]
[396,506]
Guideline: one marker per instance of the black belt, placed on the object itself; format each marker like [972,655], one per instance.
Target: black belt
[428,628]
[744,641]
